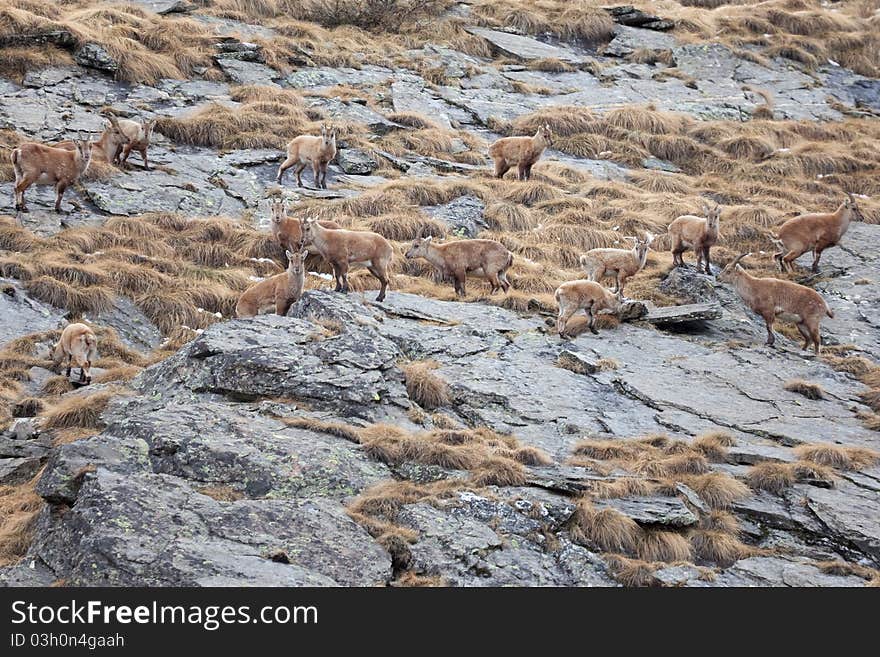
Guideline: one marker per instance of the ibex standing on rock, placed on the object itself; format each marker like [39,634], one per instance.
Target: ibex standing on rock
[698,233]
[772,298]
[78,344]
[44,165]
[814,232]
[307,149]
[139,135]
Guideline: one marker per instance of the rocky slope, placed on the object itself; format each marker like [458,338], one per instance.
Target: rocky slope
[285,451]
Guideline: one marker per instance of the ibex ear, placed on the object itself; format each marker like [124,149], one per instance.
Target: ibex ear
[288,254]
[429,238]
[304,254]
[649,237]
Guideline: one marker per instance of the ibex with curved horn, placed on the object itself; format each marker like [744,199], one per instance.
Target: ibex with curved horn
[39,164]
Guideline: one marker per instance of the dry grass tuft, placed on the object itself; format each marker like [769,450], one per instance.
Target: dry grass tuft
[717,547]
[666,546]
[19,506]
[423,386]
[632,572]
[718,490]
[809,390]
[837,456]
[605,529]
[80,410]
[844,568]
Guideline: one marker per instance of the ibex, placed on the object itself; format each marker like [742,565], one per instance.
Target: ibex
[307,149]
[342,248]
[279,292]
[486,258]
[287,231]
[44,165]
[103,150]
[583,295]
[813,232]
[698,233]
[521,152]
[772,298]
[78,344]
[619,263]
[139,135]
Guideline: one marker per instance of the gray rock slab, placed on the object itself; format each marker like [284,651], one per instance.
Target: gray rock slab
[523,47]
[463,215]
[20,314]
[667,511]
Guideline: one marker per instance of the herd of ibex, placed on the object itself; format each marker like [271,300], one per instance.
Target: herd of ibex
[62,164]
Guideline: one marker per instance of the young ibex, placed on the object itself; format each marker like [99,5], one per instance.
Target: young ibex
[772,298]
[813,232]
[79,344]
[287,231]
[307,149]
[521,152]
[138,135]
[44,165]
[583,295]
[103,150]
[342,248]
[698,233]
[620,263]
[485,258]
[280,291]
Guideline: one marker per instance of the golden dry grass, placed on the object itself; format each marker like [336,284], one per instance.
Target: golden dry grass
[778,477]
[81,410]
[19,506]
[837,456]
[424,387]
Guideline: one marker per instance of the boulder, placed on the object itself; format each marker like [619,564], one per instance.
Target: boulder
[94,55]
[463,215]
[525,48]
[356,161]
[240,71]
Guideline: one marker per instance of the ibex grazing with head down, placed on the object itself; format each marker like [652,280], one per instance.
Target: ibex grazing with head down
[583,295]
[78,344]
[521,152]
[485,258]
[772,298]
[307,149]
[103,150]
[279,292]
[698,233]
[287,231]
[619,263]
[138,135]
[44,165]
[342,248]
[814,232]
